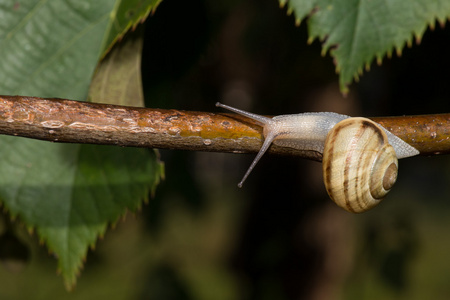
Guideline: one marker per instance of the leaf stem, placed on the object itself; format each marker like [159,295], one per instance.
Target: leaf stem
[70,121]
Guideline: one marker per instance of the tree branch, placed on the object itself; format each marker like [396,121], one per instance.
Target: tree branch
[69,121]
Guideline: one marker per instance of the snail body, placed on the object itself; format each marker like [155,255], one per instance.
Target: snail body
[359,156]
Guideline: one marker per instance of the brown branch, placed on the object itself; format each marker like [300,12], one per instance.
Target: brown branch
[430,134]
[69,121]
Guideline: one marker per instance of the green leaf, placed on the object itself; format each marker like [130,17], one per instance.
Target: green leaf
[358,31]
[67,193]
[118,76]
[43,42]
[128,14]
[71,198]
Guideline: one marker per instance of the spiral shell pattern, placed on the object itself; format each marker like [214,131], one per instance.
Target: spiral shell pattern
[359,165]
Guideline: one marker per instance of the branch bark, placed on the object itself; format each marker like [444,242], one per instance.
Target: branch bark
[68,121]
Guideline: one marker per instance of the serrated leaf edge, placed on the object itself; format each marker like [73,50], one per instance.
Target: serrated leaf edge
[327,48]
[130,25]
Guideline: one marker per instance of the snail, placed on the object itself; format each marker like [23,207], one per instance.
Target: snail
[359,156]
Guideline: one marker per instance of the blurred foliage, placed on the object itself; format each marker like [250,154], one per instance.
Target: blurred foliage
[68,194]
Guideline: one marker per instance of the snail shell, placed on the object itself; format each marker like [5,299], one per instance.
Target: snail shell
[359,165]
